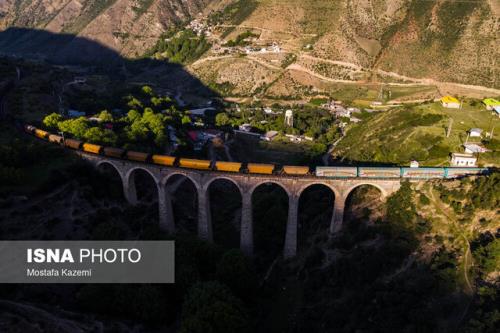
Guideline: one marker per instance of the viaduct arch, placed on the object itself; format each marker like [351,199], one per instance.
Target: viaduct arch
[246,184]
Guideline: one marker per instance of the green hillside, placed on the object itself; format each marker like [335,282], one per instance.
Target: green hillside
[418,133]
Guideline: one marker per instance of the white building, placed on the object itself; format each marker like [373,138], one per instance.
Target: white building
[473,148]
[463,160]
[475,132]
[450,102]
[289,118]
[245,127]
[270,136]
[414,164]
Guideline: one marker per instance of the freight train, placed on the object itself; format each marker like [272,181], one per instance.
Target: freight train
[336,172]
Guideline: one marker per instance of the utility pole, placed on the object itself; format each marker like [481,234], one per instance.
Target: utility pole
[448,132]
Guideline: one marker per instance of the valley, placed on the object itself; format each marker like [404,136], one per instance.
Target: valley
[322,166]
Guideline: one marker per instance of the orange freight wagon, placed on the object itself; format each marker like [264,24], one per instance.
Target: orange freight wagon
[228,166]
[260,168]
[55,138]
[91,148]
[41,134]
[114,152]
[194,164]
[73,144]
[137,156]
[163,160]
[296,170]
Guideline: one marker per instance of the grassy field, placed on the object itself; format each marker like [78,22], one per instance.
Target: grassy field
[418,132]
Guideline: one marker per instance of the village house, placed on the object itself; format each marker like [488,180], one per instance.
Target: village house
[341,112]
[490,103]
[450,102]
[245,128]
[463,160]
[270,136]
[475,132]
[474,148]
[496,108]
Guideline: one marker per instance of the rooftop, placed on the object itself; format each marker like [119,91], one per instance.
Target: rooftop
[462,155]
[491,102]
[475,148]
[449,99]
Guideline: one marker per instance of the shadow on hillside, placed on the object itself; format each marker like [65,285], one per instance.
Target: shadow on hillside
[89,55]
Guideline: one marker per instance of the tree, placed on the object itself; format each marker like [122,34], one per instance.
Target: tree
[52,120]
[133,115]
[106,116]
[211,308]
[222,119]
[235,271]
[147,90]
[185,120]
[77,127]
[101,136]
[134,102]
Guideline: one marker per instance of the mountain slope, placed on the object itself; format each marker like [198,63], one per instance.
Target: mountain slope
[126,26]
[442,40]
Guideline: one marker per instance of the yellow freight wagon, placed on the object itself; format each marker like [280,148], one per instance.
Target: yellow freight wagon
[73,144]
[228,166]
[260,168]
[114,152]
[163,160]
[194,164]
[137,156]
[55,138]
[41,134]
[296,170]
[91,148]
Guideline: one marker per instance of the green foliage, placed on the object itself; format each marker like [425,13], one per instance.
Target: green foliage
[211,308]
[141,7]
[145,303]
[235,271]
[222,119]
[481,193]
[105,116]
[185,120]
[234,13]
[396,136]
[402,214]
[289,59]
[241,39]
[183,48]
[134,103]
[488,257]
[423,199]
[76,127]
[101,136]
[52,120]
[10,175]
[147,90]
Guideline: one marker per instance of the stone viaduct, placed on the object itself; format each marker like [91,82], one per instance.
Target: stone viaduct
[246,183]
